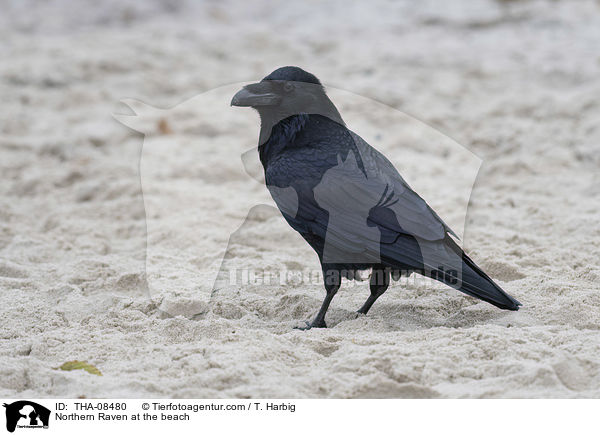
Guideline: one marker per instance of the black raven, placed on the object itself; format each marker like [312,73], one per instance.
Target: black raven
[347,200]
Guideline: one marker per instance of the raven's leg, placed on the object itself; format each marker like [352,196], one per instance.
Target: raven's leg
[380,280]
[332,280]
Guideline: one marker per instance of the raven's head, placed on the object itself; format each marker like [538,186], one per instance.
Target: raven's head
[287,91]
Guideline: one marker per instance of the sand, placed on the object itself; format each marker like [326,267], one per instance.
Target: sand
[112,236]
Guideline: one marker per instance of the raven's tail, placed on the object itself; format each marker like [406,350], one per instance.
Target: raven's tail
[446,262]
[475,282]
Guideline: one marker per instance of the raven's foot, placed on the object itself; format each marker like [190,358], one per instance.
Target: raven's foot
[308,326]
[303,328]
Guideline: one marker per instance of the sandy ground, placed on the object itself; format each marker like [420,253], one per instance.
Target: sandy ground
[91,269]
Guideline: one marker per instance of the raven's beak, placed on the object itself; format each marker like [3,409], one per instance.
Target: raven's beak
[255,95]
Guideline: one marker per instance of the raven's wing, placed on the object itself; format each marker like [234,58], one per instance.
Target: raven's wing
[414,215]
[356,182]
[326,197]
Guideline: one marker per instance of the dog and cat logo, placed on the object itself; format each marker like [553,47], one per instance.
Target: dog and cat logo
[26,414]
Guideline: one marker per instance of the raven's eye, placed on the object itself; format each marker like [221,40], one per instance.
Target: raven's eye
[288,87]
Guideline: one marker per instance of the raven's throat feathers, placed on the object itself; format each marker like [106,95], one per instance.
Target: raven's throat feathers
[282,134]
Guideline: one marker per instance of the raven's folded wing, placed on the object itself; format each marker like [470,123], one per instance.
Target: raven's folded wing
[355,201]
[413,213]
